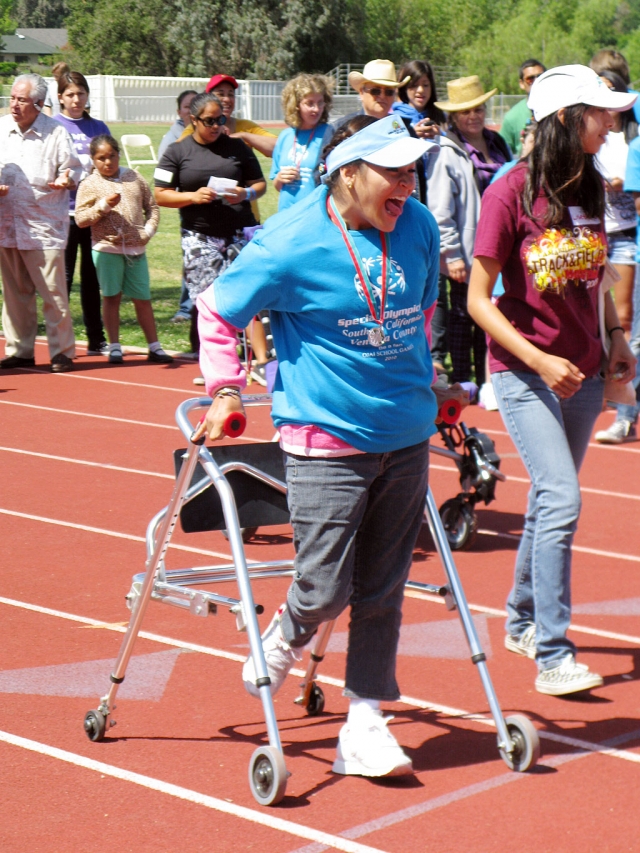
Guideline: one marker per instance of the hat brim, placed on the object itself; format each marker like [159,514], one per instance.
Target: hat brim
[603,98]
[451,107]
[400,152]
[357,81]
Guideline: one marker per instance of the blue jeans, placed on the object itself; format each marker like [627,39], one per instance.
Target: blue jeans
[184,309]
[551,436]
[355,524]
[630,413]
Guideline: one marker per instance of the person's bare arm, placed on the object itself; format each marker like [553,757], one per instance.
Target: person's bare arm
[559,374]
[172,198]
[263,144]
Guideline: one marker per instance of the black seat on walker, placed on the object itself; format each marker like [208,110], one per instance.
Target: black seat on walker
[258,503]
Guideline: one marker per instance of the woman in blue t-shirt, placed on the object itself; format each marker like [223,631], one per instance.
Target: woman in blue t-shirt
[73,94]
[348,275]
[306,102]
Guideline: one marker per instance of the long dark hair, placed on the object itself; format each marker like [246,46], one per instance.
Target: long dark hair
[417,68]
[559,167]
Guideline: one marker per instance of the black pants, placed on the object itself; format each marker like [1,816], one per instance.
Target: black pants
[465,338]
[89,287]
[440,323]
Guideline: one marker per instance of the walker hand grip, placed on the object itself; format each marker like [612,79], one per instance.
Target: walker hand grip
[234,426]
[449,411]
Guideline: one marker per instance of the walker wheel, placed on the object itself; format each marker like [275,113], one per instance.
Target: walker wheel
[95,725]
[460,523]
[526,744]
[315,705]
[267,775]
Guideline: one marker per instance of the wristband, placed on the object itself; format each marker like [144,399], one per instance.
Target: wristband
[252,195]
[615,329]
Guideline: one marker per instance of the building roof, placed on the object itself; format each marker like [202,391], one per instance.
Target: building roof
[53,37]
[25,45]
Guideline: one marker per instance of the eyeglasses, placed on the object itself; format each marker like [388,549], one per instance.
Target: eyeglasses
[212,122]
[531,78]
[376,91]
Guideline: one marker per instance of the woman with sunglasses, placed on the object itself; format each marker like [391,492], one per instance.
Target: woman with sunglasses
[213,213]
[353,405]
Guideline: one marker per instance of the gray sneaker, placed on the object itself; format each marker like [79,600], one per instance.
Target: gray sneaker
[569,677]
[525,644]
[621,430]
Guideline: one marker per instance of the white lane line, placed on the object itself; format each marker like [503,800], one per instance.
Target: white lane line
[112,533]
[246,438]
[452,469]
[494,611]
[336,682]
[106,465]
[90,415]
[261,818]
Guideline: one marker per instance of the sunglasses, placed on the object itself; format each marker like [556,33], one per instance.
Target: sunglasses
[212,122]
[376,91]
[531,79]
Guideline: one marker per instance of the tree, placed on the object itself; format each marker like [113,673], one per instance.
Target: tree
[41,13]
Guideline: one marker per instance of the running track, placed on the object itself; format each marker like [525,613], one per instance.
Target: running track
[87,461]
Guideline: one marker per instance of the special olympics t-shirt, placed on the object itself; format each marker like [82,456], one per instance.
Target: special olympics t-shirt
[551,275]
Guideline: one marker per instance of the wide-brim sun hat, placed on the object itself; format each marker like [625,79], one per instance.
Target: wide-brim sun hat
[465,93]
[221,78]
[385,142]
[380,72]
[568,85]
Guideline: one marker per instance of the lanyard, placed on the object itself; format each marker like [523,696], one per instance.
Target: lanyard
[298,162]
[376,336]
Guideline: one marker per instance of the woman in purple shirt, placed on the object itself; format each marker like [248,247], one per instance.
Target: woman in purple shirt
[73,94]
[467,109]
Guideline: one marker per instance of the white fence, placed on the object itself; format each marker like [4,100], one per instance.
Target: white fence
[153,99]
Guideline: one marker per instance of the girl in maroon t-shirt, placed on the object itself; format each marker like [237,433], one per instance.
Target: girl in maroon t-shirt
[542,226]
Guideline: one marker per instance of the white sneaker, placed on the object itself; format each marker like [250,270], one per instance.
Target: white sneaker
[568,677]
[620,431]
[279,657]
[369,749]
[525,644]
[487,397]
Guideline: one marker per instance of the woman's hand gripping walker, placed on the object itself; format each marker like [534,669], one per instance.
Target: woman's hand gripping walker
[225,418]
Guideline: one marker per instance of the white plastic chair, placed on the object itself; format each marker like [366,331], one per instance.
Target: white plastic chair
[138,140]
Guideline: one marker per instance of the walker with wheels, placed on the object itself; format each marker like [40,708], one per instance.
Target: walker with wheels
[231,488]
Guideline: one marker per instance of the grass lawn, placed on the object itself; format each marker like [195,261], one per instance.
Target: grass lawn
[165,262]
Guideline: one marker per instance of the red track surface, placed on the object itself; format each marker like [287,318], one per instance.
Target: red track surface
[87,461]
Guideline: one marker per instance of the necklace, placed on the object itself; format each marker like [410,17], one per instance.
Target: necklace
[297,160]
[376,335]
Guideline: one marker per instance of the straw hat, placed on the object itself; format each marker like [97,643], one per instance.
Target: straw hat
[464,94]
[382,72]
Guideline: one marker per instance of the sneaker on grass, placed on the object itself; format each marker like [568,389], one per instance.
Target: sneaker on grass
[621,430]
[278,654]
[568,677]
[525,644]
[369,749]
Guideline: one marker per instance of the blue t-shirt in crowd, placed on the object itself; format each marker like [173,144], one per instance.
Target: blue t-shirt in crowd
[82,131]
[377,399]
[408,111]
[301,148]
[632,181]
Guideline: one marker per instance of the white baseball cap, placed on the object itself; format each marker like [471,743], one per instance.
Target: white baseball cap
[385,142]
[567,85]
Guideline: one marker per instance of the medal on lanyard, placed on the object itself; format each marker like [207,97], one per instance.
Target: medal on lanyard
[376,335]
[298,162]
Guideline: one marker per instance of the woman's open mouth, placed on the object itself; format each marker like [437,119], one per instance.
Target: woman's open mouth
[393,206]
